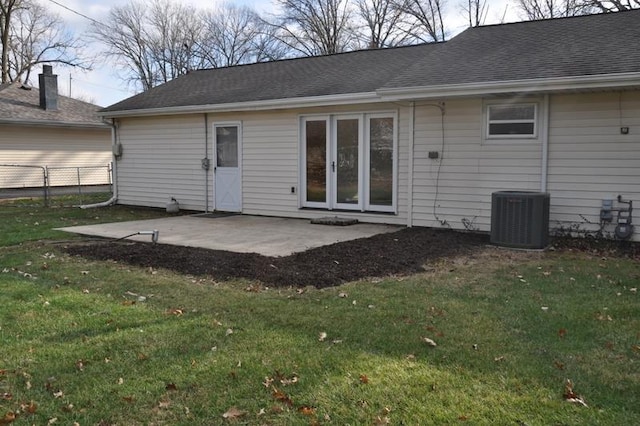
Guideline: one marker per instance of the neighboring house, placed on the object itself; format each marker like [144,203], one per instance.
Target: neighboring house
[416,136]
[40,128]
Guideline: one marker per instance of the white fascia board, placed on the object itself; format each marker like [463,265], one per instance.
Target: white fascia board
[520,86]
[271,104]
[56,124]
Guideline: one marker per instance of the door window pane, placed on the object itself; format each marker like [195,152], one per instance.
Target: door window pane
[316,148]
[347,161]
[227,146]
[381,161]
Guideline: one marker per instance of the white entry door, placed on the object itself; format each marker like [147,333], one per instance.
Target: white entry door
[227,169]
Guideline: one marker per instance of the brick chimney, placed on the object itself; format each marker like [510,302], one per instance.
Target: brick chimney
[48,88]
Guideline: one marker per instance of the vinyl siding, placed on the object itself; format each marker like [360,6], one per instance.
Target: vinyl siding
[454,191]
[55,148]
[590,160]
[161,159]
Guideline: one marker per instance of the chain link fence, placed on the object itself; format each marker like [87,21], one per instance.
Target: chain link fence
[67,185]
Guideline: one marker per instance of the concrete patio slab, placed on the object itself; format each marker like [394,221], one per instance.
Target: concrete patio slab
[269,236]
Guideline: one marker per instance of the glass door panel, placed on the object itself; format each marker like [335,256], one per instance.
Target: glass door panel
[227,146]
[381,161]
[346,162]
[316,161]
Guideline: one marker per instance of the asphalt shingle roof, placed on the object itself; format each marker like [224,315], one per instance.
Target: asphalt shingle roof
[569,47]
[21,104]
[354,72]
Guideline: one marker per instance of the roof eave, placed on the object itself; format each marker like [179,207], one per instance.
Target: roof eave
[57,124]
[558,84]
[270,104]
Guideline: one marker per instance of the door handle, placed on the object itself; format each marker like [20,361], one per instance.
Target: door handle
[333,166]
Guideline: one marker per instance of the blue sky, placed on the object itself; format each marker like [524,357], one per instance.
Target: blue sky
[103,85]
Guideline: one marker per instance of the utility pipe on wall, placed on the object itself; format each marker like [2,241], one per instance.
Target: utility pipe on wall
[544,134]
[114,171]
[206,155]
[412,136]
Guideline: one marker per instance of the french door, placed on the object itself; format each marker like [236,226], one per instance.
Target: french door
[349,162]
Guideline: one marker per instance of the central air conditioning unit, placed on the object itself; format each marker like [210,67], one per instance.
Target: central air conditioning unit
[520,219]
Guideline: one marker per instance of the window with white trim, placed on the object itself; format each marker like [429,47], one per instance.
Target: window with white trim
[516,120]
[349,161]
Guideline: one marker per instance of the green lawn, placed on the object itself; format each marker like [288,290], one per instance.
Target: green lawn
[104,343]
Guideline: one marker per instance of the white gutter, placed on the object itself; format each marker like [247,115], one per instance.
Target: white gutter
[412,141]
[114,162]
[62,124]
[306,102]
[544,169]
[502,87]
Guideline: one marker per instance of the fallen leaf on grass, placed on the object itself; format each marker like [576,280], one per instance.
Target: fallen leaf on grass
[30,408]
[322,336]
[9,417]
[282,397]
[570,396]
[171,387]
[128,302]
[559,365]
[58,394]
[562,332]
[429,342]
[307,411]
[175,311]
[635,348]
[364,379]
[233,413]
[7,396]
[603,317]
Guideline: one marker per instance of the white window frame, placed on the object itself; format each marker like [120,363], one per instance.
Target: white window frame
[363,164]
[303,162]
[488,121]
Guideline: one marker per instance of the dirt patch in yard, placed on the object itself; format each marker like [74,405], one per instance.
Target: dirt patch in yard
[399,253]
[404,252]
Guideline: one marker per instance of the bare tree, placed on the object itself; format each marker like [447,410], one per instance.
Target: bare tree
[476,12]
[153,42]
[315,27]
[7,10]
[39,36]
[613,5]
[173,29]
[385,24]
[237,35]
[546,9]
[428,17]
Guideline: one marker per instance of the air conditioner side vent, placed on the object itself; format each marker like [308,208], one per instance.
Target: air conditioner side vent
[520,219]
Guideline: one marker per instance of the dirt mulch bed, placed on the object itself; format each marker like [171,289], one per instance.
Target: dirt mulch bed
[399,253]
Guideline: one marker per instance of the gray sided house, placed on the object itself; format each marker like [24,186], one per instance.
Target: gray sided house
[38,127]
[417,136]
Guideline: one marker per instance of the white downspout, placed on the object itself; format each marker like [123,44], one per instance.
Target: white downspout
[412,119]
[114,162]
[206,156]
[544,133]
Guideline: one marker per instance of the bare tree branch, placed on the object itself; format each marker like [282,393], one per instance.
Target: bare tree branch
[38,36]
[385,24]
[315,27]
[428,16]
